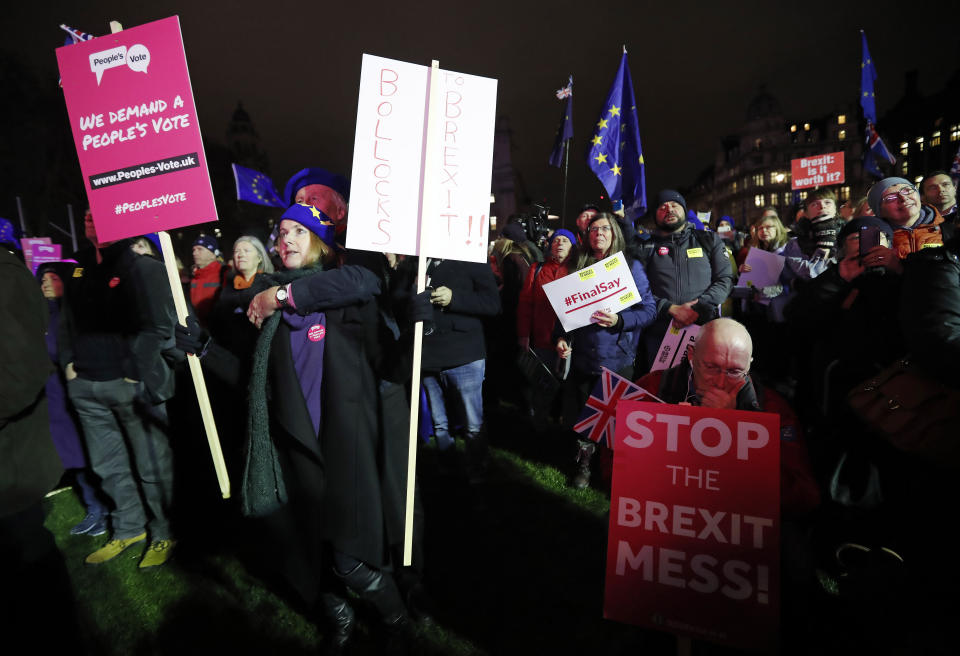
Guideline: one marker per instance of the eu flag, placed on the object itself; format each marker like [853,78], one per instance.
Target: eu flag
[876,149]
[615,155]
[255,187]
[565,131]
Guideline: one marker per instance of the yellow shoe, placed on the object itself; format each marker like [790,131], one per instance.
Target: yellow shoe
[158,553]
[112,549]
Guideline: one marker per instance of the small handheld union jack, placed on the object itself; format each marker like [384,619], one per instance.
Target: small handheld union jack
[599,417]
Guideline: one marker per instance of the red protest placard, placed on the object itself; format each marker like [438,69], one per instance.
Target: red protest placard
[817,171]
[135,127]
[694,537]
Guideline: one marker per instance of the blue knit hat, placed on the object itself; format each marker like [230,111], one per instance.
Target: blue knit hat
[875,195]
[562,232]
[313,220]
[315,175]
[209,242]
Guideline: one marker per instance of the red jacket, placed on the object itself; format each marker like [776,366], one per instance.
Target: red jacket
[535,315]
[204,289]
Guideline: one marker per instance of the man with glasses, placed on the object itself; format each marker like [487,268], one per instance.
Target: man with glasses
[689,270]
[915,226]
[716,374]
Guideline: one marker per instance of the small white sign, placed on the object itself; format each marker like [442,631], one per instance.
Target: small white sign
[606,286]
[674,345]
[388,158]
[765,270]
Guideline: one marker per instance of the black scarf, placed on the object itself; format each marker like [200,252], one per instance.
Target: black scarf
[263,491]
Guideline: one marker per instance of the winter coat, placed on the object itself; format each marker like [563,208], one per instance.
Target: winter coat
[686,265]
[204,288]
[29,465]
[457,337]
[535,316]
[351,470]
[928,232]
[615,347]
[117,319]
[930,311]
[63,418]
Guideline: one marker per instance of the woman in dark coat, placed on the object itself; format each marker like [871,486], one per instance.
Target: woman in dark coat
[63,420]
[609,341]
[321,417]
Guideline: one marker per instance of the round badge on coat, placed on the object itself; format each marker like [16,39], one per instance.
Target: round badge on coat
[316,333]
[113,282]
[663,250]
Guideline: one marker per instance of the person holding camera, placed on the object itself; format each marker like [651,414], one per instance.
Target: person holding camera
[848,317]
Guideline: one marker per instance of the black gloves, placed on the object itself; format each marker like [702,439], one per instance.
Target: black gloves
[192,338]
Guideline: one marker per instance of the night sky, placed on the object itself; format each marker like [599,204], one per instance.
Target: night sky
[296,65]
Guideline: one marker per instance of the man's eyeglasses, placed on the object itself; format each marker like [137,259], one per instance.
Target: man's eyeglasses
[714,370]
[599,229]
[903,193]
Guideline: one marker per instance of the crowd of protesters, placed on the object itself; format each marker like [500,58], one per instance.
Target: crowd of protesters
[313,342]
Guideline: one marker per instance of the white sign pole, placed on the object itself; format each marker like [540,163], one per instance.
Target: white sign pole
[429,163]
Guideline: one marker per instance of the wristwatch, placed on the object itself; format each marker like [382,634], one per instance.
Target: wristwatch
[282,297]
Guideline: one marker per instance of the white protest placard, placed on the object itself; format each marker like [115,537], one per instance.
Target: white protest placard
[387,156]
[388,162]
[765,270]
[674,345]
[457,199]
[606,286]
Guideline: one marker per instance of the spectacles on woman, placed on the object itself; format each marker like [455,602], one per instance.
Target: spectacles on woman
[904,192]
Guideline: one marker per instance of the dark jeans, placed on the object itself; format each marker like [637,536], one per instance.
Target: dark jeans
[117,425]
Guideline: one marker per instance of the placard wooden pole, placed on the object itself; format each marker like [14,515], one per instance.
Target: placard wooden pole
[176,290]
[426,204]
[173,276]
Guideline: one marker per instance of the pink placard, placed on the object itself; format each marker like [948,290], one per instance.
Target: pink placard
[135,128]
[42,253]
[27,243]
[694,539]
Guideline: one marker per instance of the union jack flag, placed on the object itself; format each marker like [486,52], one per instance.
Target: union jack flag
[566,91]
[74,37]
[599,417]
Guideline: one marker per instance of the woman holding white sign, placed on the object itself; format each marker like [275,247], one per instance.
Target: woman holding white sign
[610,341]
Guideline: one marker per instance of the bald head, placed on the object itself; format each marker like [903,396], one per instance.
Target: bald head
[721,355]
[726,333]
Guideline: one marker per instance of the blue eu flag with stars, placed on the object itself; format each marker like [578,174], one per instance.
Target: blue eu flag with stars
[615,154]
[255,187]
[876,150]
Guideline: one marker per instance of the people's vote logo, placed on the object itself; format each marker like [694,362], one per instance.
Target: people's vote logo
[137,57]
[663,250]
[316,333]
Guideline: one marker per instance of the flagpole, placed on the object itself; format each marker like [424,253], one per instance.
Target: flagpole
[73,227]
[566,171]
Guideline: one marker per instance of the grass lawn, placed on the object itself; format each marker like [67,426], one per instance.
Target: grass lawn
[524,577]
